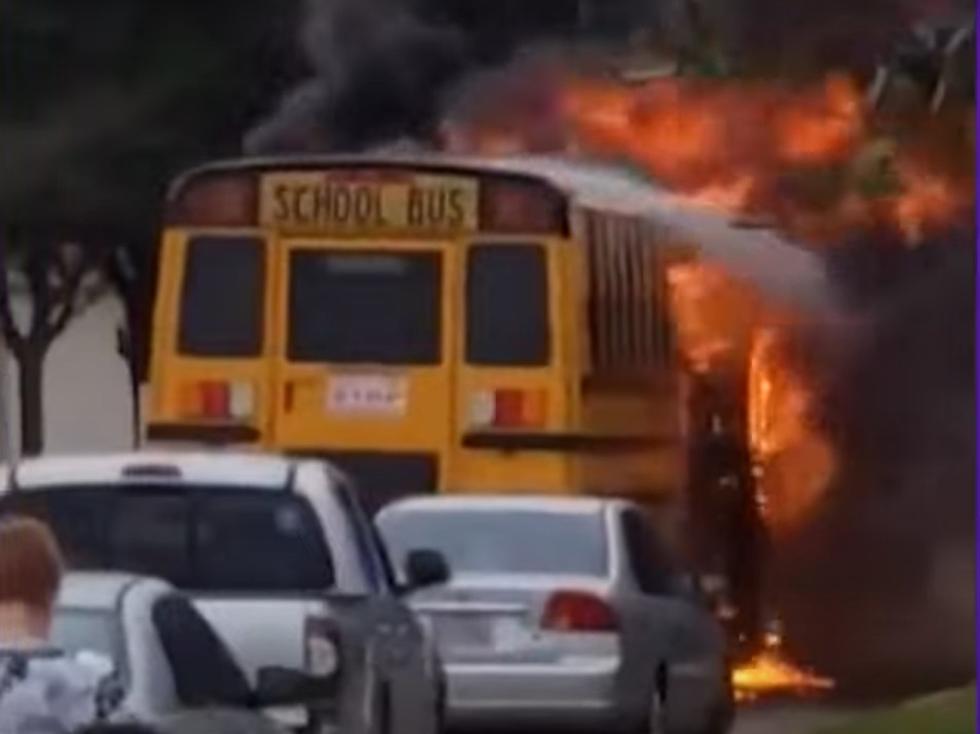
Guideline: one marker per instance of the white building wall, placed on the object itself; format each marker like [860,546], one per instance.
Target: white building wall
[87,406]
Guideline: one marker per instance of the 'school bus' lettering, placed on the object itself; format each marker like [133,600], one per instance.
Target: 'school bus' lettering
[315,202]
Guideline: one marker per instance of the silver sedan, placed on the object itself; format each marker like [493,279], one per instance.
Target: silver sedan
[564,612]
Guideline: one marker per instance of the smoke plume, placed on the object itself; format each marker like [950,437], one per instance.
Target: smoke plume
[878,588]
[378,75]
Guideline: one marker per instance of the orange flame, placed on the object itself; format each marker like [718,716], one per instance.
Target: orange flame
[714,315]
[772,672]
[822,127]
[927,200]
[797,154]
[795,461]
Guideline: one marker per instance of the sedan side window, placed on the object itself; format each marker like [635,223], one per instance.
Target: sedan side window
[204,671]
[649,563]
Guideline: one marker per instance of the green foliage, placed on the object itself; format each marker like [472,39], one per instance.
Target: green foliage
[104,100]
[948,713]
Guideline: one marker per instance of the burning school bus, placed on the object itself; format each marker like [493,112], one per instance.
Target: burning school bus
[453,325]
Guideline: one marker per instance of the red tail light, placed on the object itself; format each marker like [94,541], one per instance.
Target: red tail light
[215,399]
[578,611]
[509,408]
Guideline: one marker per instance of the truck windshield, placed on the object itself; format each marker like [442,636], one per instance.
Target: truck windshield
[200,538]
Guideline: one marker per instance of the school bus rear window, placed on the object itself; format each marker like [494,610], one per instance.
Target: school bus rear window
[364,307]
[222,297]
[507,305]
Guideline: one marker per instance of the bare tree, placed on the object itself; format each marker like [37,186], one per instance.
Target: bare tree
[54,276]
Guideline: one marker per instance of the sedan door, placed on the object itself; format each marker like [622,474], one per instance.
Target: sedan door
[399,652]
[665,621]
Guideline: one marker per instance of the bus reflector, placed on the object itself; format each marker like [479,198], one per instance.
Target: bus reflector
[215,399]
[216,201]
[242,400]
[509,408]
[515,206]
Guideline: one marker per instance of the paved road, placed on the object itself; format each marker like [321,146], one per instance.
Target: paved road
[790,718]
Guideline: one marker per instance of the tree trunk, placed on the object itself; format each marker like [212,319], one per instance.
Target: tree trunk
[31,371]
[136,417]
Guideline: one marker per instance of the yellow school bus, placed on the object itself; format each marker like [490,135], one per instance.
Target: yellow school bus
[429,324]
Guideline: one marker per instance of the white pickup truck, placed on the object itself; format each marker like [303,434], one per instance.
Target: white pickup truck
[276,553]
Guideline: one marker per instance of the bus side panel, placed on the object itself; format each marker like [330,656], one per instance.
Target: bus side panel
[652,472]
[165,320]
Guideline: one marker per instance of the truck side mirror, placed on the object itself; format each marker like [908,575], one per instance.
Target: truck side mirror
[424,567]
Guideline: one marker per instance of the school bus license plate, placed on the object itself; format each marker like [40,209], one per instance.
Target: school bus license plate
[367,395]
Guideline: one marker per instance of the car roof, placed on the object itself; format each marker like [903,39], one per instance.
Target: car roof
[229,469]
[488,503]
[100,590]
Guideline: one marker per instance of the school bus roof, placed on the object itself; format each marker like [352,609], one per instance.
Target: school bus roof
[735,242]
[429,163]
[589,184]
[582,181]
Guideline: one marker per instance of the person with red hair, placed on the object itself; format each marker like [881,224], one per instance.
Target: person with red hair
[42,689]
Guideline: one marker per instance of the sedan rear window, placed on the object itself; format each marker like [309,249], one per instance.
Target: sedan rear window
[504,541]
[221,539]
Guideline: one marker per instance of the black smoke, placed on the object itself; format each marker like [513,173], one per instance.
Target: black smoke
[878,589]
[389,70]
[378,75]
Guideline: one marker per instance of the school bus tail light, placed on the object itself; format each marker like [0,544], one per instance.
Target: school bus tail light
[509,408]
[217,400]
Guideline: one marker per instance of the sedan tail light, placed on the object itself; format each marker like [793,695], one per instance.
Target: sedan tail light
[321,642]
[578,611]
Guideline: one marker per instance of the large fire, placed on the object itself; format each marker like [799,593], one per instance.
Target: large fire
[698,134]
[809,159]
[723,325]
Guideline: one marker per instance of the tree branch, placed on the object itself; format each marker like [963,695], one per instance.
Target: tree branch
[36,272]
[68,268]
[11,335]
